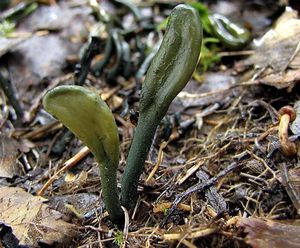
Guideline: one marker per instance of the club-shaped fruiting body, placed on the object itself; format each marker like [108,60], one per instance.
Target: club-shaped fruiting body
[169,72]
[231,34]
[90,119]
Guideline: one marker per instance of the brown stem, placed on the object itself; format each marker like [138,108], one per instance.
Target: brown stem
[288,148]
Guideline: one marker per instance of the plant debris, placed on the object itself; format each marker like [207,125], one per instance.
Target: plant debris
[276,59]
[8,157]
[31,220]
[269,233]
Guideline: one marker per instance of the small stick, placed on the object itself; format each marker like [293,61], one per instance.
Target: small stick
[126,226]
[159,160]
[83,67]
[40,131]
[192,235]
[68,164]
[28,117]
[297,49]
[211,93]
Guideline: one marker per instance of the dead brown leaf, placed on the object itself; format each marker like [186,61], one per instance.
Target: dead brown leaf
[271,234]
[282,80]
[8,154]
[214,88]
[31,220]
[290,179]
[277,53]
[295,127]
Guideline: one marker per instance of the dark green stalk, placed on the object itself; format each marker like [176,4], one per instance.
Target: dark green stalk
[169,72]
[139,150]
[122,59]
[109,191]
[99,66]
[82,69]
[10,93]
[135,11]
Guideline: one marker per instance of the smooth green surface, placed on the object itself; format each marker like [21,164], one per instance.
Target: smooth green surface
[229,33]
[174,62]
[89,118]
[169,72]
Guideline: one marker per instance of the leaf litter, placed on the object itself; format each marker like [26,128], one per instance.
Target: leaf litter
[8,158]
[31,220]
[215,176]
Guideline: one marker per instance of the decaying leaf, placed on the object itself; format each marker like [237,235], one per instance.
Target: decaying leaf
[8,153]
[82,202]
[282,80]
[295,127]
[290,179]
[277,54]
[271,234]
[31,220]
[194,95]
[216,201]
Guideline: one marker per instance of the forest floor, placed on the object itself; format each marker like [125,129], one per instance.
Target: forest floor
[217,174]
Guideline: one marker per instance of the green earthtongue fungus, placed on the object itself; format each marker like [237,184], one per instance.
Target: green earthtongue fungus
[169,72]
[231,34]
[89,118]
